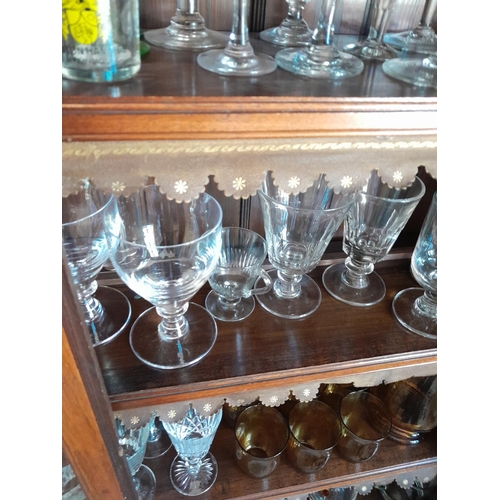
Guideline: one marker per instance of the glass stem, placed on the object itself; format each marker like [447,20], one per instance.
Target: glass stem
[294,15]
[173,325]
[322,49]
[356,273]
[381,17]
[287,286]
[239,42]
[187,16]
[92,308]
[228,303]
[426,305]
[429,9]
[154,434]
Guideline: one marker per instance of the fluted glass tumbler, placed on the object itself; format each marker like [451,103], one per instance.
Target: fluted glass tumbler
[194,469]
[165,252]
[106,310]
[298,229]
[240,264]
[371,227]
[416,308]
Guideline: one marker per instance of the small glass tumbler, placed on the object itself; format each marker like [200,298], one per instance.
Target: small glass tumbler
[315,429]
[366,422]
[261,437]
[100,40]
[240,264]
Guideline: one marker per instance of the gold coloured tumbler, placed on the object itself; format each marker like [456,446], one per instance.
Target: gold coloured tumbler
[261,436]
[366,421]
[315,429]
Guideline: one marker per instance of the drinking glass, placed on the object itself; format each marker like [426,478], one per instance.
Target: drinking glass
[165,252]
[416,308]
[320,58]
[187,30]
[366,422]
[158,441]
[373,47]
[133,441]
[418,71]
[238,57]
[315,429]
[298,229]
[240,264]
[293,30]
[194,469]
[421,39]
[261,436]
[371,227]
[106,310]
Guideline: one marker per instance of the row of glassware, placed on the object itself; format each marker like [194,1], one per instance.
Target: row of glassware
[166,251]
[309,53]
[351,422]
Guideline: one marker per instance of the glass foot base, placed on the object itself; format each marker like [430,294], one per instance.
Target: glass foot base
[286,36]
[416,72]
[419,42]
[117,312]
[145,483]
[185,39]
[240,311]
[188,483]
[371,50]
[402,307]
[297,61]
[224,63]
[157,352]
[299,307]
[373,293]
[160,446]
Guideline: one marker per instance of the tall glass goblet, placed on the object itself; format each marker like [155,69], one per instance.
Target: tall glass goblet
[187,30]
[106,310]
[373,46]
[416,308]
[134,440]
[320,58]
[158,441]
[166,252]
[238,57]
[298,229]
[293,30]
[194,469]
[371,227]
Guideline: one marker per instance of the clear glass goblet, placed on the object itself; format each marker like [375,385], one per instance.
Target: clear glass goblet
[238,57]
[416,308]
[298,229]
[421,39]
[187,30]
[373,46]
[194,469]
[165,252]
[158,441]
[418,71]
[240,264]
[293,30]
[133,441]
[320,58]
[106,310]
[371,227]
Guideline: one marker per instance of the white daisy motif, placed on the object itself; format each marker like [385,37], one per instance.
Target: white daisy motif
[294,182]
[364,488]
[306,392]
[117,187]
[273,399]
[398,176]
[239,183]
[207,407]
[171,413]
[135,420]
[405,482]
[346,181]
[240,402]
[180,187]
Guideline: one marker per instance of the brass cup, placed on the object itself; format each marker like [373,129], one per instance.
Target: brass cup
[366,421]
[261,436]
[315,429]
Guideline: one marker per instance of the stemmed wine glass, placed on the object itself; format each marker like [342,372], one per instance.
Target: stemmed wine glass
[293,30]
[186,31]
[165,252]
[134,440]
[194,469]
[320,58]
[298,229]
[373,46]
[416,308]
[106,310]
[238,57]
[371,227]
[158,441]
[421,39]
